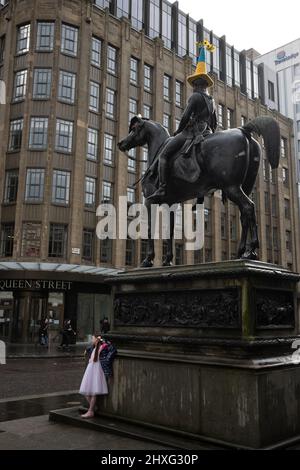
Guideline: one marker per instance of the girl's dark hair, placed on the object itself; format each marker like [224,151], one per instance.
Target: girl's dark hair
[97,347]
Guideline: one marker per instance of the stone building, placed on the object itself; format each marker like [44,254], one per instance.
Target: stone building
[75,72]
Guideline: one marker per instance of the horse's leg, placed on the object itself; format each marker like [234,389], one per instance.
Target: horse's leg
[248,185]
[148,261]
[167,261]
[248,219]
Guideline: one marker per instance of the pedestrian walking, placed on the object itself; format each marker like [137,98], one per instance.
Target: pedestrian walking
[43,332]
[67,333]
[105,325]
[94,382]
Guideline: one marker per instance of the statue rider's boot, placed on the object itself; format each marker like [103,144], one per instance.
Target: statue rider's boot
[161,193]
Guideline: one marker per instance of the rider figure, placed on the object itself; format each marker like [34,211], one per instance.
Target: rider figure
[198,120]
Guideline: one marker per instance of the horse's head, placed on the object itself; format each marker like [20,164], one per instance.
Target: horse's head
[137,135]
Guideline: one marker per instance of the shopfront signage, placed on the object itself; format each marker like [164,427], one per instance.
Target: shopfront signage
[20,284]
[282,56]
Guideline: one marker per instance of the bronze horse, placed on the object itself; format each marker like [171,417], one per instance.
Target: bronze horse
[229,161]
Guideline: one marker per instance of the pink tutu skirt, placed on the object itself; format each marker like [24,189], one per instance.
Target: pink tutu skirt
[94,380]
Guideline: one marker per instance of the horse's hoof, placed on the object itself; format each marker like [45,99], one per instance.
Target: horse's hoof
[250,255]
[147,264]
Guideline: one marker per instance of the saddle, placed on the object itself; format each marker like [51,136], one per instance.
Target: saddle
[186,165]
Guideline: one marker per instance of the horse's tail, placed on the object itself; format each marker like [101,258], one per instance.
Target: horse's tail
[268,128]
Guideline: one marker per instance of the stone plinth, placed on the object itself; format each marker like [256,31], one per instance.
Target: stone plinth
[206,351]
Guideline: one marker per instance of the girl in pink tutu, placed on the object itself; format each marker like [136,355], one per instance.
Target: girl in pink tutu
[94,381]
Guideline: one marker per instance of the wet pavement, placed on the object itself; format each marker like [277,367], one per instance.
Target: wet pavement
[23,377]
[27,408]
[19,351]
[40,434]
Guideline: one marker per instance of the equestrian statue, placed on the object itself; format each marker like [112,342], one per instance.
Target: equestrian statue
[199,160]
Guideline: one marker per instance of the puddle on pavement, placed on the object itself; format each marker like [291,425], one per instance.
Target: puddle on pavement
[20,409]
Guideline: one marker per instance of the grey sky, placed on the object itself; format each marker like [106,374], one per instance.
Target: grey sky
[261,24]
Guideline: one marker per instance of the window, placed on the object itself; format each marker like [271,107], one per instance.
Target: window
[249,77]
[271,91]
[288,238]
[167,122]
[178,93]
[20,85]
[137,14]
[45,36]
[223,225]
[207,222]
[90,191]
[287,209]
[233,228]
[182,35]
[243,120]
[61,187]
[38,136]
[102,3]
[96,52]
[134,71]
[106,250]
[229,63]
[131,166]
[167,87]
[267,203]
[178,253]
[42,84]
[94,96]
[236,68]
[130,252]
[274,205]
[88,245]
[112,60]
[154,20]
[268,237]
[298,126]
[166,31]
[23,39]
[69,40]
[192,31]
[15,134]
[147,111]
[66,89]
[11,186]
[35,178]
[110,103]
[92,147]
[122,8]
[131,195]
[108,149]
[64,136]
[2,48]
[133,107]
[7,239]
[221,113]
[255,81]
[216,56]
[275,238]
[31,240]
[285,176]
[57,241]
[106,191]
[147,77]
[230,123]
[283,147]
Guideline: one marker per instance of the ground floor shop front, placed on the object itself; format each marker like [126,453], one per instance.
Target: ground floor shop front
[55,292]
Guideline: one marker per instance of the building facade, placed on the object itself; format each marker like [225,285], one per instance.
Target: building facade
[75,73]
[281,72]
